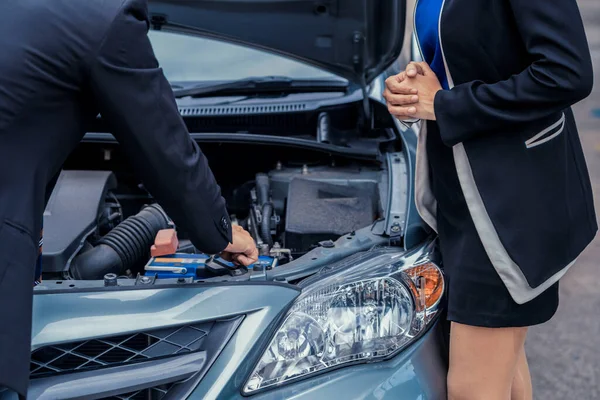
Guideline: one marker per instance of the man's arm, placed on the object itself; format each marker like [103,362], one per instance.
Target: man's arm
[136,100]
[560,76]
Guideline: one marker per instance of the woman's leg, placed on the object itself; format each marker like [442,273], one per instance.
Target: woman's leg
[521,385]
[483,361]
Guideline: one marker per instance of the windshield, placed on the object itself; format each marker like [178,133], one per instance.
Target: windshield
[193,58]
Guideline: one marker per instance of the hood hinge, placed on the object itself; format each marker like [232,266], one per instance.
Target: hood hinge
[358,58]
[157,21]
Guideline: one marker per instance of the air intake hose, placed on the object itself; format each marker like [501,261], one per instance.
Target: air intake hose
[123,246]
[265,223]
[262,188]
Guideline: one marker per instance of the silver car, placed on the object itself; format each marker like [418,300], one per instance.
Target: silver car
[346,300]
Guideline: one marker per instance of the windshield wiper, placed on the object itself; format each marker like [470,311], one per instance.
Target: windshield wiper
[263,84]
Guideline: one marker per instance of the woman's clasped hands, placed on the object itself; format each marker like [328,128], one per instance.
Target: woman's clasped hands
[410,94]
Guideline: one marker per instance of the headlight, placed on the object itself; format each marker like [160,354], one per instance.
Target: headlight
[359,312]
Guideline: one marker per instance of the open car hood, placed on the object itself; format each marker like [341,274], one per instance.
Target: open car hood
[356,39]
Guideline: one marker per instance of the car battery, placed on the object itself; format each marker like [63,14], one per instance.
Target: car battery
[184,265]
[179,265]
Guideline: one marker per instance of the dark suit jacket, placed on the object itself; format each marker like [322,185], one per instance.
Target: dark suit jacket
[515,67]
[61,63]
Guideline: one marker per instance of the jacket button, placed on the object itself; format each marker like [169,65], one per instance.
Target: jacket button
[224,223]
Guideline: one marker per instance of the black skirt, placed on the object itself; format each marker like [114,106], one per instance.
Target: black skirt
[475,294]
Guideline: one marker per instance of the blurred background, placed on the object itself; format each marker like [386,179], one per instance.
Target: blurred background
[564,354]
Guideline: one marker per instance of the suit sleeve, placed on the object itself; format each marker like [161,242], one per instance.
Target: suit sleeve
[560,76]
[137,102]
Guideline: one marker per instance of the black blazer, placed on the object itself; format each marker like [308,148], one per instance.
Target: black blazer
[515,67]
[61,63]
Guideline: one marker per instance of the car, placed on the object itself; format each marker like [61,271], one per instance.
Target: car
[347,298]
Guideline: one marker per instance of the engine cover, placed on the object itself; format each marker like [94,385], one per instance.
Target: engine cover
[71,215]
[318,211]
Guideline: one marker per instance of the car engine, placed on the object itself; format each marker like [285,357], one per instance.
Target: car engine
[91,228]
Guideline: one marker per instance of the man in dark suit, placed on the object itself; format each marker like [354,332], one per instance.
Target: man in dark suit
[61,63]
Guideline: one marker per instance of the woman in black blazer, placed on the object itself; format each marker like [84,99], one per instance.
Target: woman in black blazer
[500,173]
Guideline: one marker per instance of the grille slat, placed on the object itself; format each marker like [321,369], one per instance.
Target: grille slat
[155,393]
[117,350]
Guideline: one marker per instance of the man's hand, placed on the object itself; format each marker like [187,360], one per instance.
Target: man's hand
[410,94]
[243,249]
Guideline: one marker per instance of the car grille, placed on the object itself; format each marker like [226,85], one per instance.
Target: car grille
[118,350]
[155,393]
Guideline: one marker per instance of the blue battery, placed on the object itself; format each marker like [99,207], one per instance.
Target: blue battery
[179,265]
[184,265]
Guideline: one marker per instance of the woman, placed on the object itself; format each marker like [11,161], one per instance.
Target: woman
[500,172]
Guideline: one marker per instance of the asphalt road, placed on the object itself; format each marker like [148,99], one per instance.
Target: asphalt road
[564,354]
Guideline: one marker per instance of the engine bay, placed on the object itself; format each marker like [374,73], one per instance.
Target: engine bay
[100,220]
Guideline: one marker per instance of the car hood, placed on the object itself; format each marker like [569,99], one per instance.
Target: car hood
[356,39]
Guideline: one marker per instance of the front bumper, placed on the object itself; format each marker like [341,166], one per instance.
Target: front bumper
[104,315]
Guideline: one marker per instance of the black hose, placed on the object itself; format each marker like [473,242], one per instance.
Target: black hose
[123,246]
[262,188]
[265,223]
[262,194]
[95,263]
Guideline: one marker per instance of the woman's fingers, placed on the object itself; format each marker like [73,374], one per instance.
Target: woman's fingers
[396,84]
[401,77]
[418,68]
[402,111]
[400,99]
[399,88]
[414,68]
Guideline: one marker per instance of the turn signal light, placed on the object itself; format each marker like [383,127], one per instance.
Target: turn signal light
[429,282]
